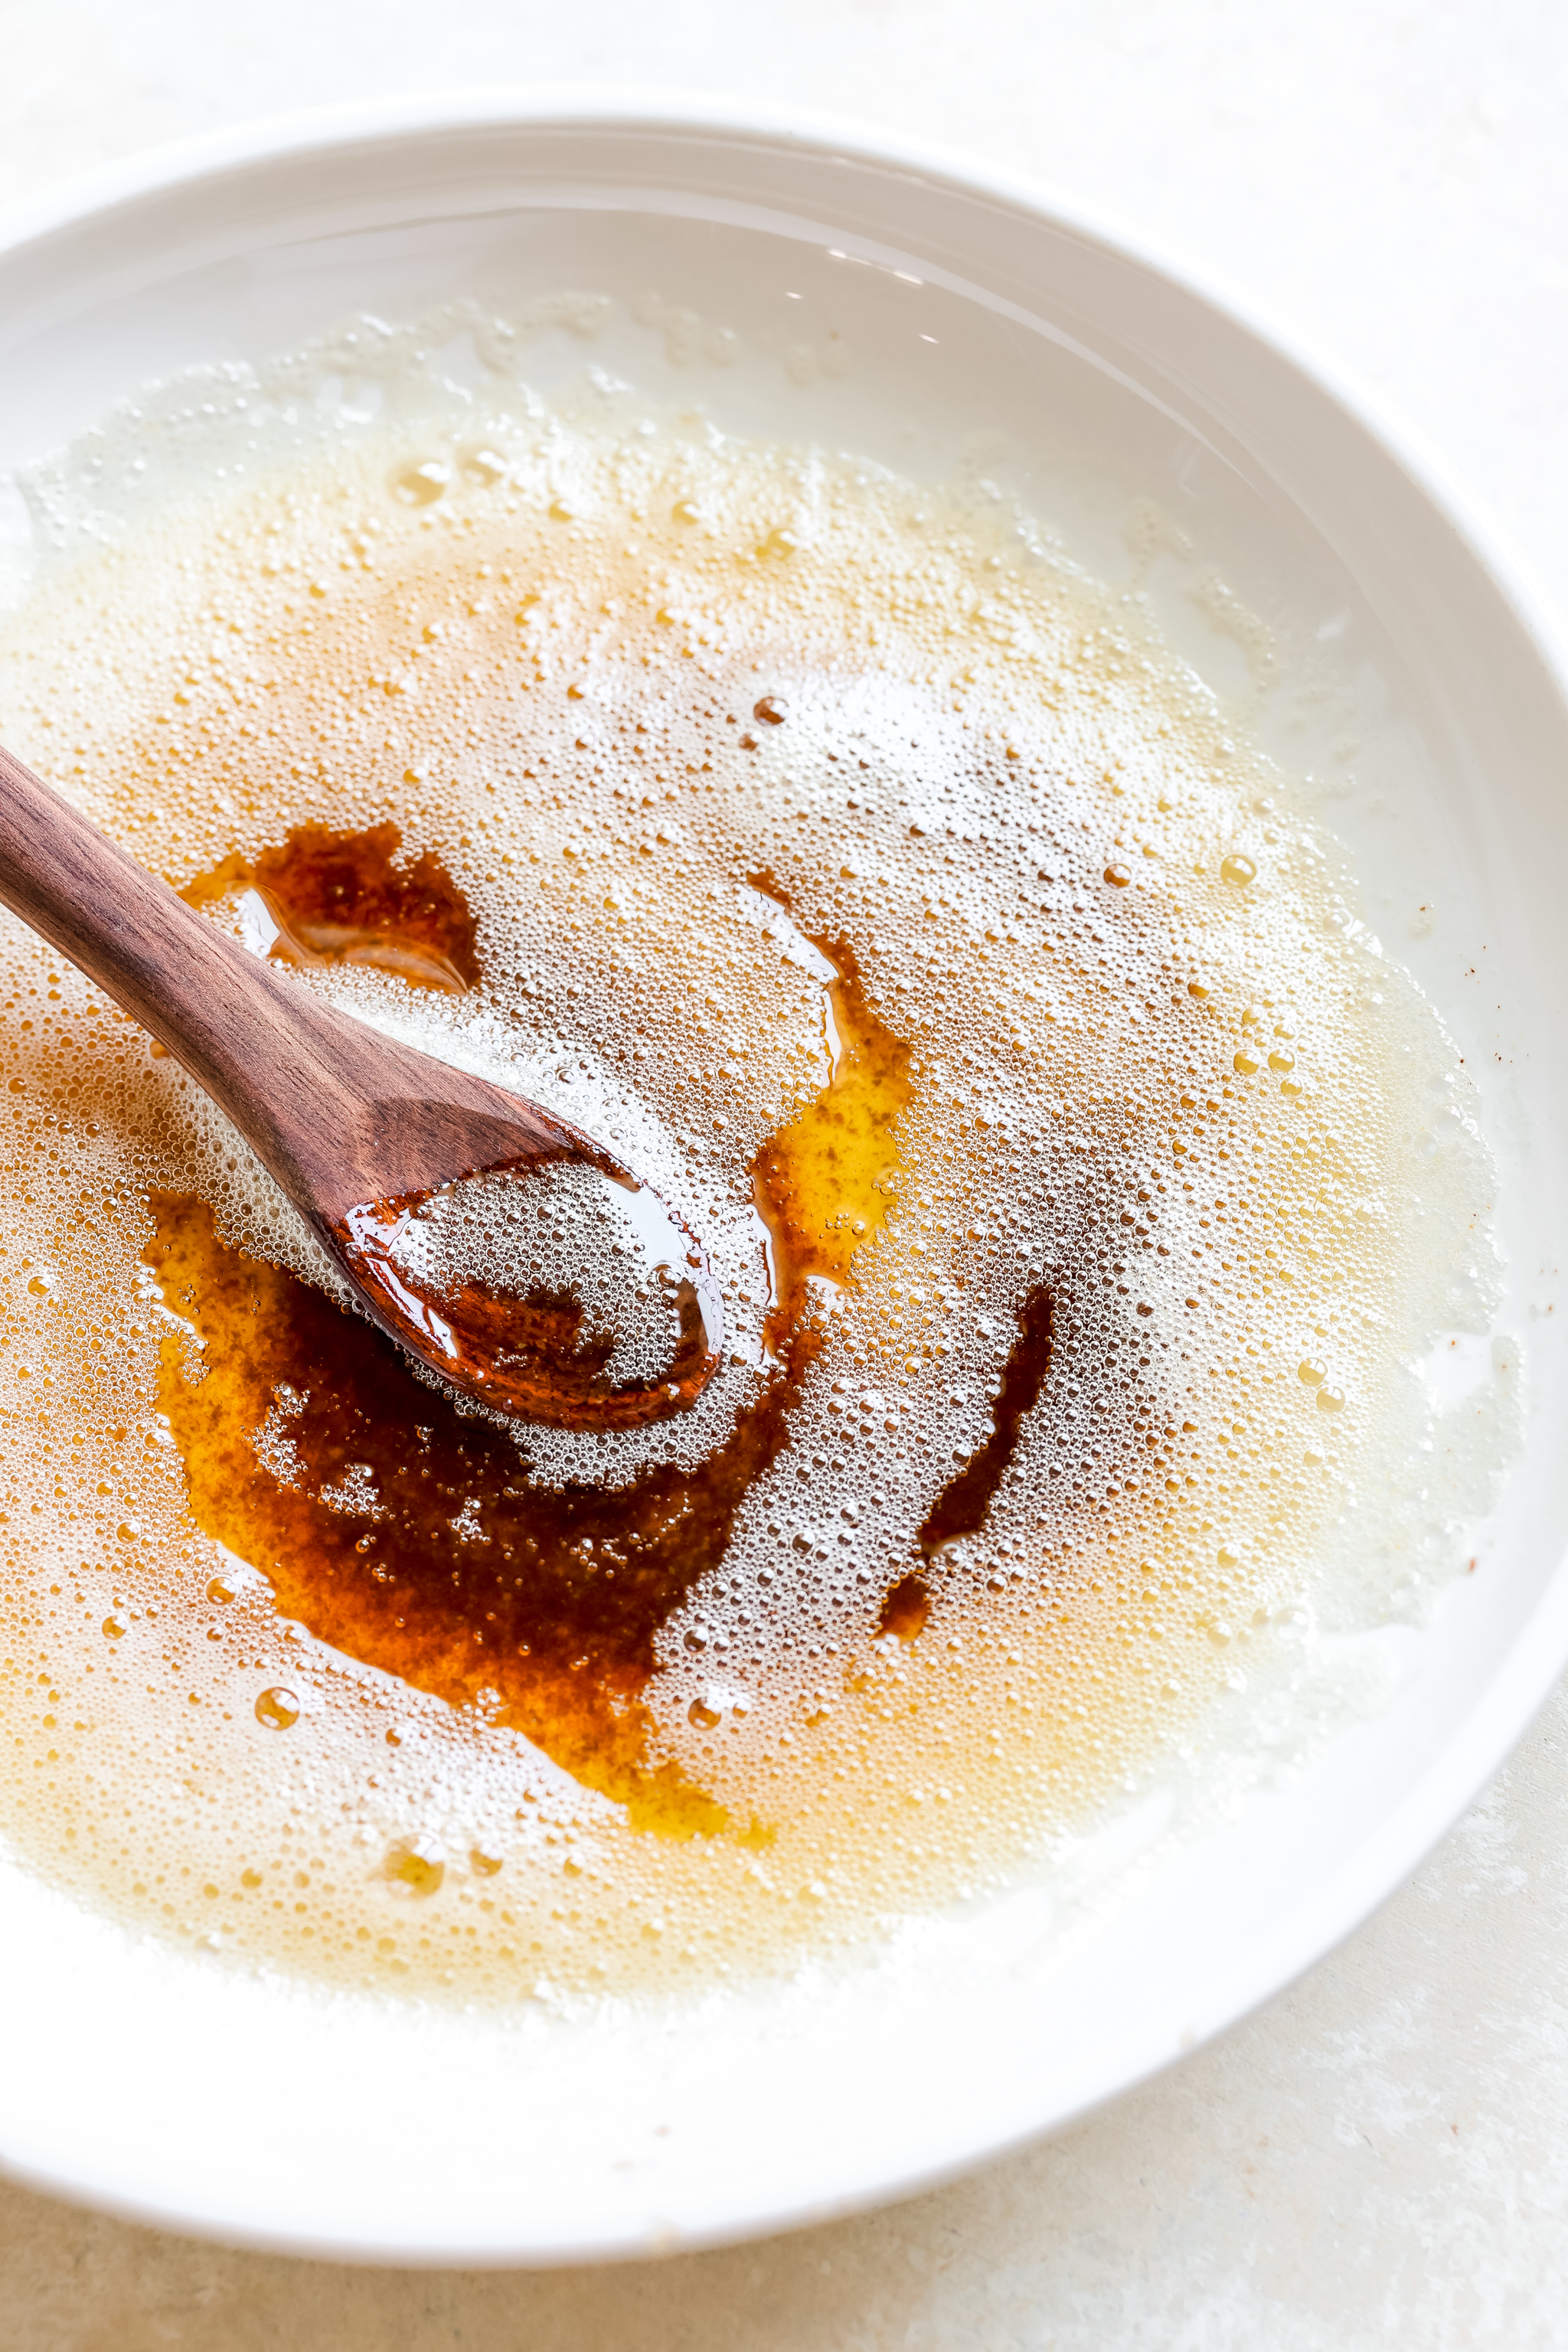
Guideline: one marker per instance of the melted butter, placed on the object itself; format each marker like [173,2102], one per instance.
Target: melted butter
[961,1507]
[1066,1164]
[904,1612]
[823,1184]
[341,898]
[408,1535]
[313,1453]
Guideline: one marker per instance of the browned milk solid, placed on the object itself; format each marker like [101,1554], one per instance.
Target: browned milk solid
[1151,1076]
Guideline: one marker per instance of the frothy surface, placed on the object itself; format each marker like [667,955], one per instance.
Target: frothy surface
[1081,1185]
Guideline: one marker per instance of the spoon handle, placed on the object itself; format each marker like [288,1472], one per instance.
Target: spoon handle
[217,1009]
[339,1113]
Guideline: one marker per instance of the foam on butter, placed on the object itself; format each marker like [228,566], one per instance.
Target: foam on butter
[1154,1068]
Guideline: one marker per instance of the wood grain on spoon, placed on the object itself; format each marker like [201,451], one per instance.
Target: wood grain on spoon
[356,1128]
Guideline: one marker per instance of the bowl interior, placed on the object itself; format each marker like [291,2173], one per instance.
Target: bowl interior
[803,286]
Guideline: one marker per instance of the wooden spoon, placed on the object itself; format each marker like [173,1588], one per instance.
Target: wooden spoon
[358,1130]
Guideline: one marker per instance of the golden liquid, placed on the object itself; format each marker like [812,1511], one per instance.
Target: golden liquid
[824,1184]
[910,924]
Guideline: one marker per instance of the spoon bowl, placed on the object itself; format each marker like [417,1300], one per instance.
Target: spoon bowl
[523,1346]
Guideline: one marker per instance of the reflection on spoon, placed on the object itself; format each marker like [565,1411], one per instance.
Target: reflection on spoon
[566,1293]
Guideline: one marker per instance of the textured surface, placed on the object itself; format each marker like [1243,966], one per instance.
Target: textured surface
[1381,2157]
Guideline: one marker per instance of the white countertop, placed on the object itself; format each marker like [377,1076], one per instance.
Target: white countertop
[1381,2157]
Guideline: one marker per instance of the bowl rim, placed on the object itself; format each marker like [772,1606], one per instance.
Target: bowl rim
[1527,1670]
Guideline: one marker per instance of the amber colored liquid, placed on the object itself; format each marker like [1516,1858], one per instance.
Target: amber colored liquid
[823,1183]
[545,1614]
[959,1509]
[906,1608]
[339,898]
[1141,1091]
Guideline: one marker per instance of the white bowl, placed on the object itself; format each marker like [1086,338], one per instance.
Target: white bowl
[262,2112]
